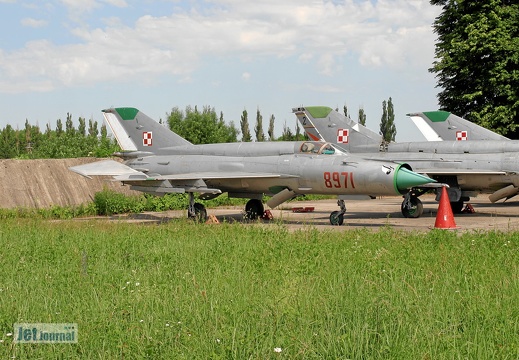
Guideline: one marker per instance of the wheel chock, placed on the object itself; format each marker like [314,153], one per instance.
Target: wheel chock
[211,219]
[303,209]
[267,215]
[468,209]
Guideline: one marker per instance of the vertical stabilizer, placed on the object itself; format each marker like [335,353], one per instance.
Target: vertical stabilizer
[135,131]
[325,124]
[442,125]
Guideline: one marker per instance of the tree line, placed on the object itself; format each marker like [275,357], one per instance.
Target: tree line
[64,141]
[203,126]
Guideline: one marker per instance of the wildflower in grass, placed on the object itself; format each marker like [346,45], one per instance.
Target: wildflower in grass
[141,321]
[9,334]
[278,349]
[167,324]
[218,341]
[137,283]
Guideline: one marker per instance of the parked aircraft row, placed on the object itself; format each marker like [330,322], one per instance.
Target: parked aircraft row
[342,158]
[159,161]
[468,167]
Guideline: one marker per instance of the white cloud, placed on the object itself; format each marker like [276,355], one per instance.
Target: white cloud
[246,76]
[80,5]
[34,23]
[117,3]
[392,33]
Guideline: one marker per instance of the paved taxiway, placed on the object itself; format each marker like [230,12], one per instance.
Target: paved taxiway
[371,214]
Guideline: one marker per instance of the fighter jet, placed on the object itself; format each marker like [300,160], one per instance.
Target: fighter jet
[468,167]
[158,161]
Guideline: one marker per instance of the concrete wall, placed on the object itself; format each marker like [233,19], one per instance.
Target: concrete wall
[46,182]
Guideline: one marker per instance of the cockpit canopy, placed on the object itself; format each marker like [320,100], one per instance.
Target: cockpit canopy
[317,147]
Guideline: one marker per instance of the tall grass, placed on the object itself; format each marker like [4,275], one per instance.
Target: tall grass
[187,291]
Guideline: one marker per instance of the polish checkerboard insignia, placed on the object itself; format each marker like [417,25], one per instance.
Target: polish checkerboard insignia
[147,138]
[461,135]
[342,136]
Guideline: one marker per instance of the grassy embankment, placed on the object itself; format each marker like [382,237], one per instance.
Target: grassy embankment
[186,291]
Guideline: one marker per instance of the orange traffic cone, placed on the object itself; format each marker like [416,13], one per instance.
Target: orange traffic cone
[444,217]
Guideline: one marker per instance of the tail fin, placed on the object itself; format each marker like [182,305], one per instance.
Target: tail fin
[324,124]
[442,125]
[136,132]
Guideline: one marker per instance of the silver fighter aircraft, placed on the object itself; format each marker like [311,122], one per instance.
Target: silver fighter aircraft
[158,161]
[468,167]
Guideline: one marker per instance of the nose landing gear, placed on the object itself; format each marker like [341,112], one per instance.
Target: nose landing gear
[337,217]
[411,207]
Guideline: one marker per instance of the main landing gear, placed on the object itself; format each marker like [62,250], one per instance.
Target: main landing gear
[337,217]
[412,207]
[196,211]
[254,209]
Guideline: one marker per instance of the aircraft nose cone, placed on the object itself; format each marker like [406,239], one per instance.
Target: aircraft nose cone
[406,179]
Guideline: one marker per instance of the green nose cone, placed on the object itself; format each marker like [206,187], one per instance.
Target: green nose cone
[406,179]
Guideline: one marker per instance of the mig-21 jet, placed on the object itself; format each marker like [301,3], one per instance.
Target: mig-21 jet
[468,167]
[158,161]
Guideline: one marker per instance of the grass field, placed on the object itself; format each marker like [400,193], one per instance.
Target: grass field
[231,291]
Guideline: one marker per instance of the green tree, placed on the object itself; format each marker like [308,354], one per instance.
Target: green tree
[244,124]
[69,125]
[387,121]
[59,128]
[81,130]
[477,62]
[391,119]
[258,129]
[201,127]
[271,127]
[8,140]
[362,116]
[287,134]
[106,146]
[30,141]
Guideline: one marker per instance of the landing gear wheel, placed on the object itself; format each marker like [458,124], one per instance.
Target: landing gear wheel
[200,213]
[336,218]
[254,209]
[413,209]
[457,206]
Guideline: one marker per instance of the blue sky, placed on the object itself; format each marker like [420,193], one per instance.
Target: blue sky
[81,56]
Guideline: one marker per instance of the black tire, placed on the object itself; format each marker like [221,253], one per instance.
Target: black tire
[416,209]
[200,212]
[254,209]
[336,218]
[457,207]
